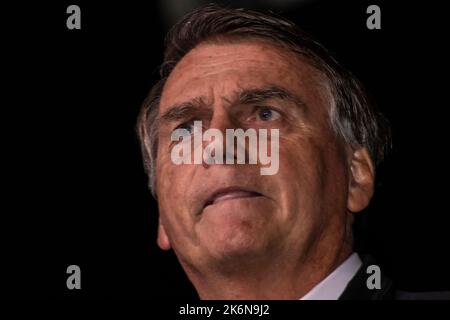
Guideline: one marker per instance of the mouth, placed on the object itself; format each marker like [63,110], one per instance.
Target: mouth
[230,193]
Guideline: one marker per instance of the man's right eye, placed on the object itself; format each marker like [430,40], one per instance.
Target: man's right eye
[188,126]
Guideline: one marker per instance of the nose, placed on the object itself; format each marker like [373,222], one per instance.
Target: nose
[222,120]
[215,145]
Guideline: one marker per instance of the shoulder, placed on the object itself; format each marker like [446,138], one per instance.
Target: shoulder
[432,295]
[359,289]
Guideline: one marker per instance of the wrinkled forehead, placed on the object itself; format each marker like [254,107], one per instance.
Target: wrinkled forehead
[223,69]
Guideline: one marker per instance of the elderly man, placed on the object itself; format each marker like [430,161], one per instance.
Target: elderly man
[237,233]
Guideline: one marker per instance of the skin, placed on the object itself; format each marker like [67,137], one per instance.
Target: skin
[281,244]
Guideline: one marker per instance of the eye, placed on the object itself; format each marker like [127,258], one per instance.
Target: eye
[267,114]
[188,127]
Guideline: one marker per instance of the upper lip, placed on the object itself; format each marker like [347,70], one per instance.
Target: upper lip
[212,196]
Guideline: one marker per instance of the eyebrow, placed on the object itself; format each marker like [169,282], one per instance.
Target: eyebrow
[266,93]
[181,111]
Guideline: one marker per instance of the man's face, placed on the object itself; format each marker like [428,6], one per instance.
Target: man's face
[212,215]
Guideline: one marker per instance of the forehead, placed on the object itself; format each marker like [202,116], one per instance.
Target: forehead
[213,70]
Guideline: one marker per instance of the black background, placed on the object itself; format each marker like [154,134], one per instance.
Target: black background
[74,189]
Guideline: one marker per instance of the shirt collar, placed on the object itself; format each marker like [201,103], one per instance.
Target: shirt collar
[334,284]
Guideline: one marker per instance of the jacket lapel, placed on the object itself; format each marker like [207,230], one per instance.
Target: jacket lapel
[357,287]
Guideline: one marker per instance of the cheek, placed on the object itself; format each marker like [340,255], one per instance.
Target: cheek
[164,176]
[170,187]
[300,160]
[312,173]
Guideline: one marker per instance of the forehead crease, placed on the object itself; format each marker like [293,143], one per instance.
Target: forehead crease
[212,55]
[191,76]
[216,55]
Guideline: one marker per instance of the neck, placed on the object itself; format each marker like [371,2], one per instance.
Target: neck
[271,279]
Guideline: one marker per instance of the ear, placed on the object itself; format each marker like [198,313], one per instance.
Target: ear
[361,182]
[163,239]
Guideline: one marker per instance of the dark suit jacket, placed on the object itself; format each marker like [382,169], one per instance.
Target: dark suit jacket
[357,288]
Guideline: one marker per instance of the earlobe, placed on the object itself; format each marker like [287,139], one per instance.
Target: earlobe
[361,182]
[163,239]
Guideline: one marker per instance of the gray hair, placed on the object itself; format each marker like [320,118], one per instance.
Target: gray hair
[353,117]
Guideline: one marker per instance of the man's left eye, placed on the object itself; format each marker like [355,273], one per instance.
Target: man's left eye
[268,114]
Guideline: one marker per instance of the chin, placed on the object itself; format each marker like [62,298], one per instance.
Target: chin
[234,243]
[237,228]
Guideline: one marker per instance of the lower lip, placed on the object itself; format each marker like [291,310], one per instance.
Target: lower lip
[235,195]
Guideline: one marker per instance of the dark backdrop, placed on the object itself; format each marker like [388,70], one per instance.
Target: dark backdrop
[74,188]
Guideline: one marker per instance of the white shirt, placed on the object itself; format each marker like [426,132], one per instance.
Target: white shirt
[334,284]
